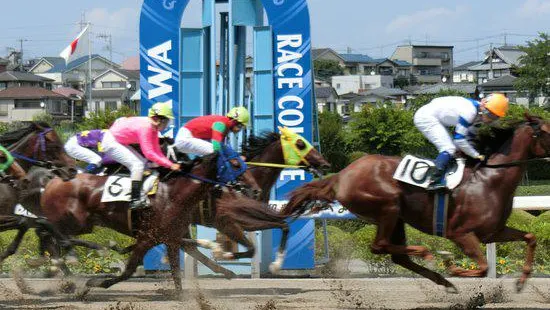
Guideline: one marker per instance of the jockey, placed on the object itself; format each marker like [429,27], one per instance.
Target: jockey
[143,131]
[9,166]
[205,134]
[433,118]
[86,146]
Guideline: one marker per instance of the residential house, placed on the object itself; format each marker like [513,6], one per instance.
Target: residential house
[356,64]
[357,83]
[505,85]
[326,99]
[76,101]
[3,64]
[498,62]
[326,54]
[430,63]
[386,66]
[21,103]
[468,88]
[10,79]
[462,73]
[384,94]
[113,88]
[50,67]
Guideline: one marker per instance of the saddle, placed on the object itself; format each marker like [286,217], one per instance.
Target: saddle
[417,171]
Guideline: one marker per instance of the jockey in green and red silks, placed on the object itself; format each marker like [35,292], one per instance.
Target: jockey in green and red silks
[205,134]
[9,166]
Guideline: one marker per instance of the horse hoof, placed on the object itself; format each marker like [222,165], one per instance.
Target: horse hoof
[451,289]
[274,268]
[71,260]
[228,256]
[519,286]
[95,282]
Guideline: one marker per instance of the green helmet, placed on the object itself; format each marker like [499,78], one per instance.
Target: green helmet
[163,109]
[240,114]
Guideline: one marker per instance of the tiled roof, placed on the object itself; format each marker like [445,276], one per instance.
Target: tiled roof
[28,93]
[131,74]
[385,92]
[510,54]
[58,64]
[68,91]
[84,59]
[506,80]
[12,76]
[4,61]
[323,92]
[467,65]
[484,67]
[131,63]
[356,58]
[402,63]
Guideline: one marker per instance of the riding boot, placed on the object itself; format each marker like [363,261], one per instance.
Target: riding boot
[438,172]
[135,200]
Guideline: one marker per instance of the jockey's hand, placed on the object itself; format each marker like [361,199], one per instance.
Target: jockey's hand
[175,167]
[480,157]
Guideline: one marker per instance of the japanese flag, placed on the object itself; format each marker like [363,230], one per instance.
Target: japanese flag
[77,47]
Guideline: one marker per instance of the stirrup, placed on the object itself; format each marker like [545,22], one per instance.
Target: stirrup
[138,205]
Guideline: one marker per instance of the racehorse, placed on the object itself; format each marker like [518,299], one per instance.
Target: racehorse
[478,207]
[233,216]
[34,145]
[75,207]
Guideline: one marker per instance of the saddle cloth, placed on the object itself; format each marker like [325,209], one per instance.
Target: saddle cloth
[118,188]
[416,171]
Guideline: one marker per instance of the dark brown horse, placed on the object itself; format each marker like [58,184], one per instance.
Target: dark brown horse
[75,207]
[233,216]
[478,208]
[34,145]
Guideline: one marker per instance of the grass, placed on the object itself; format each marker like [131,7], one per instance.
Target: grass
[534,188]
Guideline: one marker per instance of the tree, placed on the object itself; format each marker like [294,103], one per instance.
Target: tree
[534,71]
[420,100]
[333,141]
[401,82]
[325,69]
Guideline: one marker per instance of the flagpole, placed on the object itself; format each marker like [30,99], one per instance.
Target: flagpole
[89,67]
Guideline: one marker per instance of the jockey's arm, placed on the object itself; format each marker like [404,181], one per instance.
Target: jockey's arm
[150,147]
[218,135]
[461,141]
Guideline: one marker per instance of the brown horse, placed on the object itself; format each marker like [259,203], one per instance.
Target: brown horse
[75,207]
[34,145]
[233,216]
[478,207]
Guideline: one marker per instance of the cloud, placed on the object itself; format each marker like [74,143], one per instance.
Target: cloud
[421,18]
[532,8]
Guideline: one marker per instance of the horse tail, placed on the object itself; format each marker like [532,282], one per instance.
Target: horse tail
[322,190]
[250,214]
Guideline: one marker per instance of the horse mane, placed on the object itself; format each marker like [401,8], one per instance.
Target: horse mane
[13,136]
[496,138]
[255,145]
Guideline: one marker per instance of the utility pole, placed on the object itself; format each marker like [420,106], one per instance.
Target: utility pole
[109,39]
[21,53]
[83,22]
[490,77]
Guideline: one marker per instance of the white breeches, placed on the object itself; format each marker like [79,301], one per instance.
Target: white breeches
[124,155]
[436,133]
[186,143]
[81,153]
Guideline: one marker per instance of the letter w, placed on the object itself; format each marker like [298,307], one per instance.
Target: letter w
[158,80]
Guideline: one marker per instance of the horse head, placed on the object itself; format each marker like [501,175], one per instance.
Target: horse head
[540,147]
[298,151]
[49,145]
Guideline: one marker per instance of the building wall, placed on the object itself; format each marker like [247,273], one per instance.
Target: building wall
[110,77]
[403,53]
[344,84]
[103,103]
[463,77]
[41,68]
[429,63]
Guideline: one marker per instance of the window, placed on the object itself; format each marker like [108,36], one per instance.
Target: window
[3,85]
[110,105]
[132,85]
[337,85]
[113,85]
[3,109]
[27,105]
[55,107]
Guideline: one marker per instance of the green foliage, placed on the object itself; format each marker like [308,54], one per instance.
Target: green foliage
[401,82]
[332,137]
[324,69]
[385,130]
[104,119]
[44,117]
[534,72]
[353,156]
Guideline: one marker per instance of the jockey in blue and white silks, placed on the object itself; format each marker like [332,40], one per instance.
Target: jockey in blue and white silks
[453,111]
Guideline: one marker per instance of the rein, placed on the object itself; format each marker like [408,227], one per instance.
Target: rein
[518,162]
[40,163]
[259,164]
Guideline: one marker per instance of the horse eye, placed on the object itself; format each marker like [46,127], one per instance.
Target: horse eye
[300,144]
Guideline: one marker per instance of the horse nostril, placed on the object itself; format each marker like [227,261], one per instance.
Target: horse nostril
[325,167]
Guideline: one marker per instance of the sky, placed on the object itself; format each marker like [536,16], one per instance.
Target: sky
[373,28]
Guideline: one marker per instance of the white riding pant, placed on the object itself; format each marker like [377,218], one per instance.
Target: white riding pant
[125,155]
[436,133]
[186,143]
[81,153]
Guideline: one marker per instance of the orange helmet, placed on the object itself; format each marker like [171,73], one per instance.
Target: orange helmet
[497,104]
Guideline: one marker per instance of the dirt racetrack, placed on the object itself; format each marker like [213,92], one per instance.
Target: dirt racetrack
[271,294]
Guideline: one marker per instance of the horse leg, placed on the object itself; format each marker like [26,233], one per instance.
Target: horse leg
[48,243]
[399,237]
[510,234]
[275,266]
[192,250]
[236,233]
[173,252]
[14,245]
[141,247]
[386,226]
[470,245]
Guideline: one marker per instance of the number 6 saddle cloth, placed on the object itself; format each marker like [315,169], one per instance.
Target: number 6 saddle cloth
[118,188]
